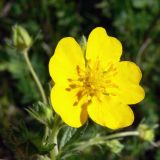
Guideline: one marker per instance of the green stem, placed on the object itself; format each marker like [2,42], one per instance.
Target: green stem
[35,77]
[102,140]
[54,133]
[122,134]
[54,151]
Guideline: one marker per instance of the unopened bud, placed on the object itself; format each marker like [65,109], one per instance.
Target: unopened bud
[83,43]
[146,132]
[21,38]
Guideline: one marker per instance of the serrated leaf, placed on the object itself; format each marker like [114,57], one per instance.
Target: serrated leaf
[72,135]
[67,135]
[42,113]
[35,115]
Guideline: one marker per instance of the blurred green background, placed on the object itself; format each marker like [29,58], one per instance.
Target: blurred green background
[136,23]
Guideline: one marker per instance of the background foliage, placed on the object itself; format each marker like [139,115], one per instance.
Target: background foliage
[136,23]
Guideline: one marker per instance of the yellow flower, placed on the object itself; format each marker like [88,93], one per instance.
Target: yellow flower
[94,84]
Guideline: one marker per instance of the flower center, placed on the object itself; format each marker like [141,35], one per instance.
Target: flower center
[92,82]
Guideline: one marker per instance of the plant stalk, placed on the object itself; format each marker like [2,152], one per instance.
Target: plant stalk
[122,134]
[54,133]
[35,77]
[102,140]
[54,151]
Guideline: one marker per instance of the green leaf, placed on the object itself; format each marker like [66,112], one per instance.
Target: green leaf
[67,135]
[71,135]
[42,113]
[115,146]
[46,148]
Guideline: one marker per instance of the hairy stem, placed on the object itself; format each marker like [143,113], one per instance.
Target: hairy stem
[102,140]
[122,134]
[54,151]
[35,77]
[54,133]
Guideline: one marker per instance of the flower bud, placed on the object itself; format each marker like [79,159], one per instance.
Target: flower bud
[21,39]
[146,132]
[115,146]
[83,43]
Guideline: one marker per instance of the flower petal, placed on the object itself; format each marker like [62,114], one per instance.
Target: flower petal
[110,113]
[63,104]
[127,79]
[129,71]
[68,55]
[102,47]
